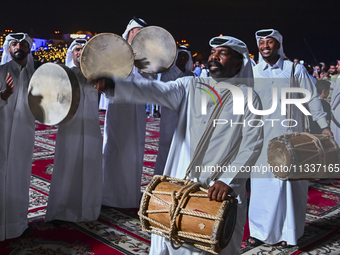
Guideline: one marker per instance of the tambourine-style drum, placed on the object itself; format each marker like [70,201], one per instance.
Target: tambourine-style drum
[155,49]
[53,94]
[304,156]
[106,55]
[180,211]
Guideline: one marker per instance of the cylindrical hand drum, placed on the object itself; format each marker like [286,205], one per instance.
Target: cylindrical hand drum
[180,211]
[106,55]
[155,49]
[304,156]
[54,94]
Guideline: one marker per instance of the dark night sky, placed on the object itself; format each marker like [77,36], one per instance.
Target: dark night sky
[314,22]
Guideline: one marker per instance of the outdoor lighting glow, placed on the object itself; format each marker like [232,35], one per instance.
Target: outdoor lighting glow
[77,36]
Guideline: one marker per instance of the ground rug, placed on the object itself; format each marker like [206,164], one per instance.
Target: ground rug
[118,231]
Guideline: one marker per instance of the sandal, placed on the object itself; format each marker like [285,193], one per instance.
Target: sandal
[257,242]
[285,245]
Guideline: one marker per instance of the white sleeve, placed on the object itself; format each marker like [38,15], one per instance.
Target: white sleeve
[142,91]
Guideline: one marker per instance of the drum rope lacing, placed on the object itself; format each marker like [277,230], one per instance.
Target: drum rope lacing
[175,208]
[320,152]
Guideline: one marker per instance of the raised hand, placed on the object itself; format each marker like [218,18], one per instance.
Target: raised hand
[6,92]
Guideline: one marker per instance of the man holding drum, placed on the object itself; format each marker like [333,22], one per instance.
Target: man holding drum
[16,135]
[277,208]
[230,67]
[76,186]
[335,107]
[123,144]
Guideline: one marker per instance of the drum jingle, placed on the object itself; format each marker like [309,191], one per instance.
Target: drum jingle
[53,94]
[106,55]
[180,211]
[155,49]
[304,156]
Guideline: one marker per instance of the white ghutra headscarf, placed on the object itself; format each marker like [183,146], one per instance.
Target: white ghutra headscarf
[189,64]
[69,60]
[6,56]
[135,22]
[264,33]
[245,75]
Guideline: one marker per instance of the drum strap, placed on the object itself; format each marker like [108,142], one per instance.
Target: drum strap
[289,106]
[202,145]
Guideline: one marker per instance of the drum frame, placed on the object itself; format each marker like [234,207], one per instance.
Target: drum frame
[85,63]
[36,108]
[135,49]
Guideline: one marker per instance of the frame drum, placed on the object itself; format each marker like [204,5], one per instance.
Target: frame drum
[106,55]
[155,49]
[54,94]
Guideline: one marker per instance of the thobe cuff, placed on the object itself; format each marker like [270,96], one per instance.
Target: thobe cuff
[322,123]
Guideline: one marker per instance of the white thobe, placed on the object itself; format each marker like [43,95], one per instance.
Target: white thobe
[76,186]
[168,122]
[16,150]
[277,208]
[103,102]
[123,152]
[183,97]
[335,107]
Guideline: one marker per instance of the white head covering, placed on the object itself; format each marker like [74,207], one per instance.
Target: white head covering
[264,33]
[188,65]
[6,56]
[69,60]
[246,72]
[135,22]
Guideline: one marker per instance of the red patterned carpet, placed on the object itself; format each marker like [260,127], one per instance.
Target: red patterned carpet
[118,231]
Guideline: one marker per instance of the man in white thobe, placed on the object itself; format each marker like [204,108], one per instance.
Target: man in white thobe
[228,63]
[277,208]
[123,144]
[16,135]
[181,68]
[76,186]
[335,107]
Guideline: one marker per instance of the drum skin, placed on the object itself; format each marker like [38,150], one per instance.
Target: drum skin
[106,55]
[54,94]
[220,231]
[155,49]
[300,155]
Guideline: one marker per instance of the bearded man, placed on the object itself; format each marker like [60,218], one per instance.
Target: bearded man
[230,69]
[16,135]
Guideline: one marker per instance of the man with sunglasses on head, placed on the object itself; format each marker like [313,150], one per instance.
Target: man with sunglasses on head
[230,69]
[277,208]
[16,135]
[76,186]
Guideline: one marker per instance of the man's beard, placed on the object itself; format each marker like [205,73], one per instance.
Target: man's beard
[18,55]
[215,63]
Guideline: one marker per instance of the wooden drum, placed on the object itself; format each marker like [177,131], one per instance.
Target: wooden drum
[155,49]
[180,211]
[106,55]
[304,156]
[54,94]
